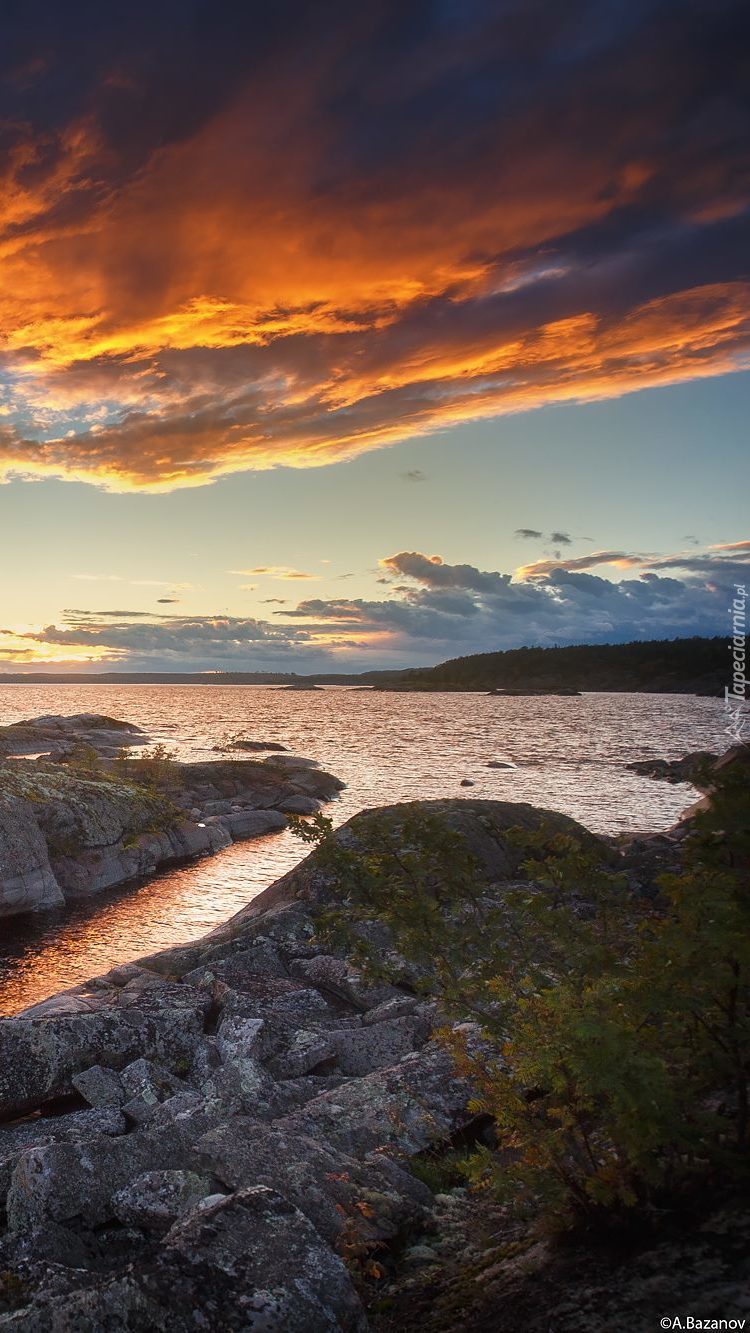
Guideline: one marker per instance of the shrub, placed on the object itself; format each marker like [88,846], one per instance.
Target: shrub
[85,761]
[154,768]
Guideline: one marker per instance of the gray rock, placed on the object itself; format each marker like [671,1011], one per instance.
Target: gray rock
[253,823]
[242,966]
[145,1079]
[298,1075]
[76,1127]
[146,1086]
[693,767]
[27,880]
[73,1183]
[362,1050]
[66,833]
[290,1006]
[117,1303]
[245,1087]
[291,763]
[40,1056]
[100,1086]
[421,1254]
[300,805]
[255,1252]
[238,1038]
[410,1105]
[327,1186]
[156,1199]
[305,1052]
[339,978]
[398,1007]
[316,782]
[257,745]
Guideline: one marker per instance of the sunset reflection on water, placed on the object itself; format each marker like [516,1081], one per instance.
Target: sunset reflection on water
[570,755]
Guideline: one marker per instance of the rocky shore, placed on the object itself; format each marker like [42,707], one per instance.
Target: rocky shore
[221,1135]
[203,1138]
[80,818]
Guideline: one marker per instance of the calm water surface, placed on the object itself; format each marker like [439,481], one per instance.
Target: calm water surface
[570,755]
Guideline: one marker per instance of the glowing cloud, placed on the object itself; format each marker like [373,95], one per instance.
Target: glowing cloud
[252,249]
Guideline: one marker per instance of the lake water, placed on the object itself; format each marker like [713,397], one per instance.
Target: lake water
[570,755]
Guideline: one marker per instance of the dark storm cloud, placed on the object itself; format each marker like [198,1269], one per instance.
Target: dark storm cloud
[480,610]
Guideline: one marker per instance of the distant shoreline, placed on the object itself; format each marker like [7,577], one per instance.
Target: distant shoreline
[692,665]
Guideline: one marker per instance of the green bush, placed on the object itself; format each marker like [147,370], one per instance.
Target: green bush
[154,768]
[85,761]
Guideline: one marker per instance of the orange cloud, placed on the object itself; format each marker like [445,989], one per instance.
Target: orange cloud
[25,649]
[275,572]
[275,277]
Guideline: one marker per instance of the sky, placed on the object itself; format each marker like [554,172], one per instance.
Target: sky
[336,337]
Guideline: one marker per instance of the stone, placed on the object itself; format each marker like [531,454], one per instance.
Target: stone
[27,881]
[262,958]
[246,1087]
[240,1037]
[306,1051]
[691,768]
[339,978]
[410,1105]
[156,1199]
[246,1062]
[325,1185]
[40,1056]
[73,1183]
[398,1007]
[257,745]
[145,1079]
[300,805]
[291,763]
[77,1126]
[290,1006]
[316,782]
[253,823]
[379,1045]
[421,1254]
[100,1086]
[67,832]
[115,1303]
[254,1252]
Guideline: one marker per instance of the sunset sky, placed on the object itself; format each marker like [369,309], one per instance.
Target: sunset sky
[339,336]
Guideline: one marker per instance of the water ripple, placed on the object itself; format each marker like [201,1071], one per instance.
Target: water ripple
[569,755]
